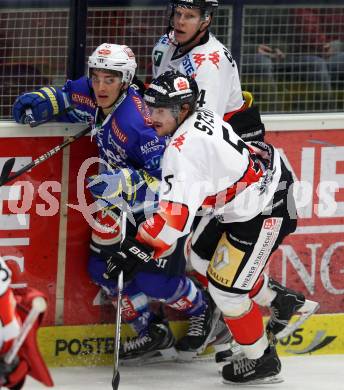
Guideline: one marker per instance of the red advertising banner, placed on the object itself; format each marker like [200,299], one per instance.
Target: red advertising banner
[47,247]
[29,216]
[82,303]
[312,259]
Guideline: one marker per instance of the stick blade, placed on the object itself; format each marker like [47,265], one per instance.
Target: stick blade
[115,381]
[6,170]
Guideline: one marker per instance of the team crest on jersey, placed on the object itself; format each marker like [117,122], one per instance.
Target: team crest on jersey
[181,84]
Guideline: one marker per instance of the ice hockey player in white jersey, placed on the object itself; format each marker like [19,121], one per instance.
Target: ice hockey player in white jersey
[248,209]
[15,307]
[191,49]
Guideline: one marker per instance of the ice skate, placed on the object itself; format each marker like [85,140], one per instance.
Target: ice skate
[245,371]
[287,303]
[232,352]
[155,345]
[200,334]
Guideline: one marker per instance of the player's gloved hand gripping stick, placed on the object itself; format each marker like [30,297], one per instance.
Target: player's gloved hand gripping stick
[6,176]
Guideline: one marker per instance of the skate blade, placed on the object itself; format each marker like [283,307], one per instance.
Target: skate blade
[153,357]
[193,356]
[270,380]
[308,308]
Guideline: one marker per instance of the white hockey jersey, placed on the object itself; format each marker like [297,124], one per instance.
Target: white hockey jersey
[206,165]
[9,325]
[212,66]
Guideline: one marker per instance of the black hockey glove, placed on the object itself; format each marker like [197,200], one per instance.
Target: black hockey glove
[12,375]
[130,259]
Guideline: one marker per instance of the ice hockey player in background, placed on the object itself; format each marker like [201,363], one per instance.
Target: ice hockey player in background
[191,49]
[14,308]
[248,209]
[125,140]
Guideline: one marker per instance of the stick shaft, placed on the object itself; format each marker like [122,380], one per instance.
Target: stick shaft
[117,339]
[118,323]
[35,311]
[46,155]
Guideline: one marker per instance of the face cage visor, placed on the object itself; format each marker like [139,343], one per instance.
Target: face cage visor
[174,109]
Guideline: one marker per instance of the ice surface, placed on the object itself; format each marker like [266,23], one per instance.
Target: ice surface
[300,373]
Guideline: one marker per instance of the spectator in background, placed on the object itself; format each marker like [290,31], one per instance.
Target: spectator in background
[307,47]
[321,34]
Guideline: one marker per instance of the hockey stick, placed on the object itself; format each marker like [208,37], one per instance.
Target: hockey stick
[8,166]
[5,174]
[7,169]
[29,119]
[116,375]
[39,305]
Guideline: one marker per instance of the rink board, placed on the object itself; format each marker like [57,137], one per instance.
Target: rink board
[33,211]
[92,345]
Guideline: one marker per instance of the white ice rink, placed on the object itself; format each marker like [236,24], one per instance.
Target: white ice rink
[299,373]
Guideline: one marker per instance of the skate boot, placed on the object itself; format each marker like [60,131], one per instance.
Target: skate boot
[264,370]
[156,344]
[232,352]
[287,303]
[200,332]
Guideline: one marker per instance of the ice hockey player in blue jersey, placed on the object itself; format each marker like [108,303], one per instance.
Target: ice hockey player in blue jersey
[104,100]
[130,148]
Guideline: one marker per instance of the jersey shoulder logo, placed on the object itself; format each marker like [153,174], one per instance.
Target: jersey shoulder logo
[179,141]
[229,57]
[158,54]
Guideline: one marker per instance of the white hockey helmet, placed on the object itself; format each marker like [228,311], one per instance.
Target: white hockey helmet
[109,56]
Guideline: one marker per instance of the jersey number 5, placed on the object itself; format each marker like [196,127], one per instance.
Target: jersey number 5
[240,146]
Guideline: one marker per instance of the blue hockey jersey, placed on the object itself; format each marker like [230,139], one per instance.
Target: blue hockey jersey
[125,137]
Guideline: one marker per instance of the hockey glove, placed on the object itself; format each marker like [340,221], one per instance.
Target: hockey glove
[132,186]
[44,104]
[13,375]
[129,259]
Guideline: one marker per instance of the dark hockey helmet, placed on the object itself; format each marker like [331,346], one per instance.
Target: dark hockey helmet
[207,8]
[204,5]
[172,89]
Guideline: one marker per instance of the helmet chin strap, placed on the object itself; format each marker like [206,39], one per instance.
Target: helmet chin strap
[197,33]
[175,113]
